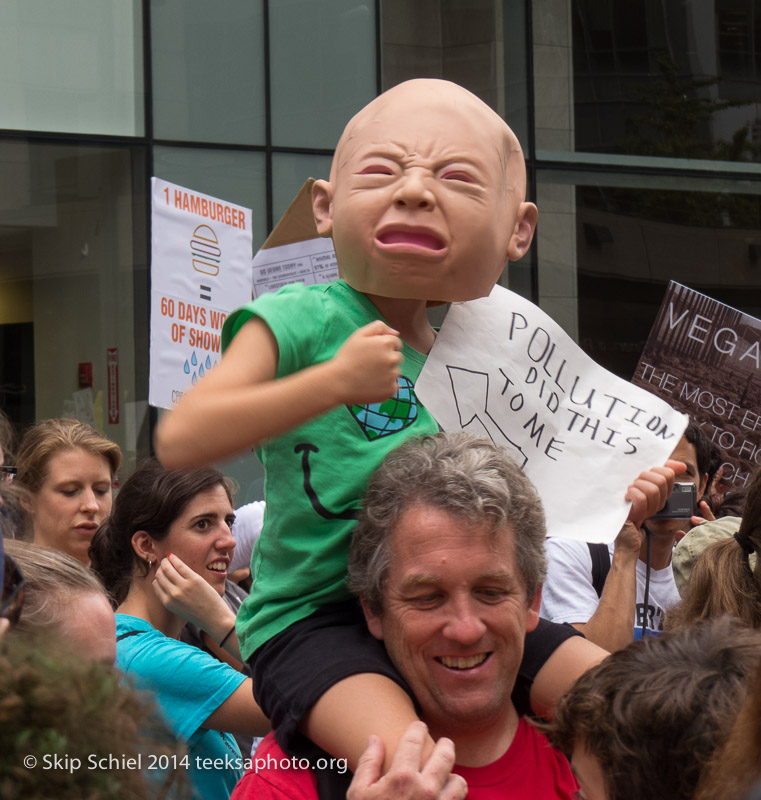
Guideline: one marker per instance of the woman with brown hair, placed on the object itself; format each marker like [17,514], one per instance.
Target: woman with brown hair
[163,555]
[726,576]
[65,470]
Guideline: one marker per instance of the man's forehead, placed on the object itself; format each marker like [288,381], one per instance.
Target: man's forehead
[412,577]
[425,535]
[685,449]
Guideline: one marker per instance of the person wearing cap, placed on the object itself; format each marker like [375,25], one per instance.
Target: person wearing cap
[691,547]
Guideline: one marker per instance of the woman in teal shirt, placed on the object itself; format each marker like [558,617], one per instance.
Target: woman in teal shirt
[163,555]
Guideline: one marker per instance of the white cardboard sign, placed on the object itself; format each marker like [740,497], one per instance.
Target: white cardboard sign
[308,262]
[500,367]
[200,271]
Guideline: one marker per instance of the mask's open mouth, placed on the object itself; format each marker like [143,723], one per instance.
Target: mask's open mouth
[422,239]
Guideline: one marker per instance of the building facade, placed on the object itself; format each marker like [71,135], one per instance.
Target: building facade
[639,120]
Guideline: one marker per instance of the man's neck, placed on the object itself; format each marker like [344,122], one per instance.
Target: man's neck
[482,743]
[661,548]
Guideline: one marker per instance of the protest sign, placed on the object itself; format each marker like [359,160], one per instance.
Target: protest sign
[200,271]
[500,367]
[294,252]
[703,358]
[308,262]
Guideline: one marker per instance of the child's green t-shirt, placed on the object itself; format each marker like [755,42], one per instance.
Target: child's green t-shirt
[315,475]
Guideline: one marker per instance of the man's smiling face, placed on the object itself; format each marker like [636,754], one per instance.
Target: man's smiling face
[454,618]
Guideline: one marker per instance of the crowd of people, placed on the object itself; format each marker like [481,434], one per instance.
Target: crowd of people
[409,628]
[447,559]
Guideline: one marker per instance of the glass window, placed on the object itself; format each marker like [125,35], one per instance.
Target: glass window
[556,250]
[479,44]
[234,175]
[208,71]
[553,97]
[663,80]
[322,62]
[609,244]
[74,67]
[73,299]
[289,171]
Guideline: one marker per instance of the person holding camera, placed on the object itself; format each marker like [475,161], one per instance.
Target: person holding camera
[601,589]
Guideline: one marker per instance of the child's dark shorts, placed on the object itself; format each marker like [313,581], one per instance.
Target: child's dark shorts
[296,667]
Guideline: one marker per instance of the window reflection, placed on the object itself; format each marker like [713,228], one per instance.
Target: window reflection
[72,274]
[631,242]
[677,80]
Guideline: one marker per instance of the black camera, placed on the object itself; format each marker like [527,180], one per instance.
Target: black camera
[682,504]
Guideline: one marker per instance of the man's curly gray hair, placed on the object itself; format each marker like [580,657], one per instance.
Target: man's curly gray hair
[463,475]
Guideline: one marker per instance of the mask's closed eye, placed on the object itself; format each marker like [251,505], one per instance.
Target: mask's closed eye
[457,175]
[376,169]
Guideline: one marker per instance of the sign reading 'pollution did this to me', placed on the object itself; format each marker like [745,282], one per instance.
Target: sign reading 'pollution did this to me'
[200,271]
[704,358]
[500,367]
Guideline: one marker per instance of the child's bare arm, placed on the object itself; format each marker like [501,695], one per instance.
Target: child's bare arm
[556,676]
[238,404]
[411,776]
[357,707]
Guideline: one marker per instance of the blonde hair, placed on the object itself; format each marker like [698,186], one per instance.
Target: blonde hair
[43,440]
[52,580]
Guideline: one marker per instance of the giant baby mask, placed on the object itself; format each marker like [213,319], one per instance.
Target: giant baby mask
[426,195]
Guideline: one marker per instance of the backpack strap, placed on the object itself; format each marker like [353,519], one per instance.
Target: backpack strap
[600,565]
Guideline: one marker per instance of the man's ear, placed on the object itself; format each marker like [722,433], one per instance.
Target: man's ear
[532,613]
[144,546]
[523,232]
[373,621]
[703,486]
[322,207]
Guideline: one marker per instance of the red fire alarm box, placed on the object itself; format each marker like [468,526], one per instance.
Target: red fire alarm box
[85,374]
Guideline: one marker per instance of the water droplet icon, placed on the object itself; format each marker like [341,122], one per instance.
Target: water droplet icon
[194,360]
[186,368]
[208,362]
[195,378]
[200,371]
